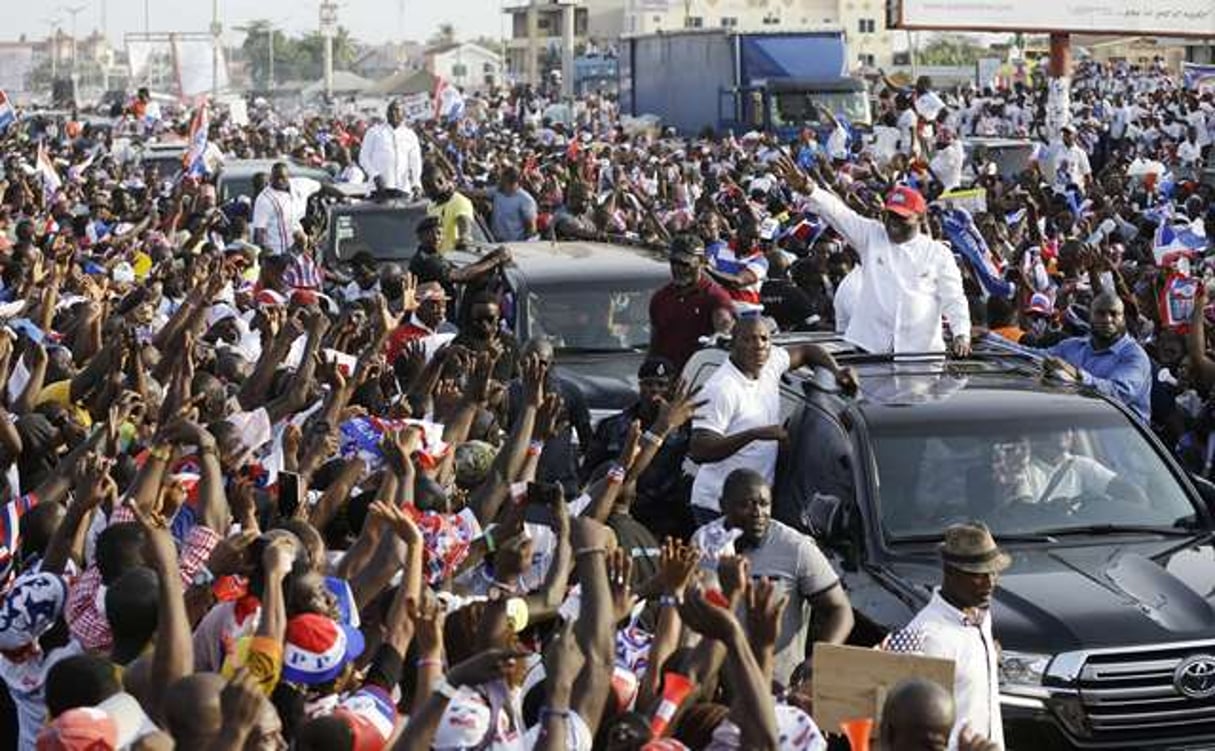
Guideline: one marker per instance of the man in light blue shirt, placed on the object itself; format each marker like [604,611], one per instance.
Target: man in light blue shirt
[514,210]
[1109,360]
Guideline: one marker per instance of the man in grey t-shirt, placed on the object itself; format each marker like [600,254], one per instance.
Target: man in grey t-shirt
[792,560]
[514,210]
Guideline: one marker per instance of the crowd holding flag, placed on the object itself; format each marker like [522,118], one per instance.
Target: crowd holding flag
[8,115]
[192,161]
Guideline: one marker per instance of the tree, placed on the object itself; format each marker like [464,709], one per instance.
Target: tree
[951,49]
[446,34]
[492,44]
[295,58]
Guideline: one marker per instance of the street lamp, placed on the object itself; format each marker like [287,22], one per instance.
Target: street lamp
[53,23]
[328,29]
[216,30]
[73,12]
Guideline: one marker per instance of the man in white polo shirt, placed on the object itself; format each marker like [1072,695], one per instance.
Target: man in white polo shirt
[739,426]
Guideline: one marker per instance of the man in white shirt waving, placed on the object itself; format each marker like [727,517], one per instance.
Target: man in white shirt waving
[391,155]
[908,280]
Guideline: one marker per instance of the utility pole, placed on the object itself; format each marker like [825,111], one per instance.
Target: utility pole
[73,12]
[216,29]
[53,40]
[147,17]
[328,29]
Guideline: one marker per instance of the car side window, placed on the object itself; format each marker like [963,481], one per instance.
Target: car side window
[817,463]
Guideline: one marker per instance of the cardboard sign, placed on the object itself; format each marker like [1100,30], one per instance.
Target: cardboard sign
[852,682]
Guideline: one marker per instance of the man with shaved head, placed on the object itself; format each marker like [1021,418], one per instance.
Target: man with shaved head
[917,716]
[1109,360]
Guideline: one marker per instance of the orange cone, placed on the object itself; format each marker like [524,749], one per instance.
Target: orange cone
[858,732]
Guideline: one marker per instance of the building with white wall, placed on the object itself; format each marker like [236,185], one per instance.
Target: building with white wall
[469,66]
[863,21]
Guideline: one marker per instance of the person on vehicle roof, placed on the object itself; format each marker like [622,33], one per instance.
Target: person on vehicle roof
[454,211]
[688,307]
[1108,361]
[740,423]
[391,155]
[908,280]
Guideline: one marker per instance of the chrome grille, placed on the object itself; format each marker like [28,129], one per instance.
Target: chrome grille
[1131,694]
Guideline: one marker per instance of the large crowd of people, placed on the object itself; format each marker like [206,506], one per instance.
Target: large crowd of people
[257,502]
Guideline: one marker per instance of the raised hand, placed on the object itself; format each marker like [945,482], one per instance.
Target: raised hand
[427,616]
[677,563]
[484,667]
[709,620]
[481,376]
[679,410]
[550,417]
[733,571]
[230,556]
[534,372]
[400,521]
[409,293]
[620,576]
[563,659]
[764,610]
[278,557]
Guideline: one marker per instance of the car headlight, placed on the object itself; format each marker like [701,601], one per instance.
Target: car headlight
[1022,669]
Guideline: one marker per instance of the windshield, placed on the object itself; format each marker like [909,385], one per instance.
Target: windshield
[593,316]
[167,164]
[389,235]
[800,107]
[1024,478]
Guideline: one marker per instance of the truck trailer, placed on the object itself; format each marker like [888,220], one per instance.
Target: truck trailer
[721,80]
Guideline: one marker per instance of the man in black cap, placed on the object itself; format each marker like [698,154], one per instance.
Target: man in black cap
[689,307]
[662,489]
[429,265]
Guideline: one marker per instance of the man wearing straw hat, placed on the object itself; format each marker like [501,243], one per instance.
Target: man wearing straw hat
[956,625]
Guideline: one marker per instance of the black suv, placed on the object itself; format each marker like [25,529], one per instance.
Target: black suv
[1105,618]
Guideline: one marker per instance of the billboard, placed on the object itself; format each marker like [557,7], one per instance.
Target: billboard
[177,63]
[1167,17]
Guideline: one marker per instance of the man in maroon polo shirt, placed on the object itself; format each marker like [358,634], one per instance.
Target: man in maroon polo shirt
[689,307]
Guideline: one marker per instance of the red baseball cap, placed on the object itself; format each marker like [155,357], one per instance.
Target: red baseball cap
[905,201]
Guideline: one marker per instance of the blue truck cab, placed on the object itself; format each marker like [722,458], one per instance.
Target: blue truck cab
[772,82]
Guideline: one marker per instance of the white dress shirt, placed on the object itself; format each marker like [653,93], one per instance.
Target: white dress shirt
[947,164]
[906,287]
[279,213]
[941,630]
[394,155]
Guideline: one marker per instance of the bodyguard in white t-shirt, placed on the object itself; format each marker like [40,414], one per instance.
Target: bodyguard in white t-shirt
[739,426]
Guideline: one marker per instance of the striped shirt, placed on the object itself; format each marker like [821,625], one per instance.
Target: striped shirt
[727,260]
[10,532]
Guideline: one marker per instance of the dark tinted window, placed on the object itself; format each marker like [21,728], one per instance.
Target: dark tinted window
[388,235]
[1023,476]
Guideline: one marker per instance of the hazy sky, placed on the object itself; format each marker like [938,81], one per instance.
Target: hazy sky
[369,20]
